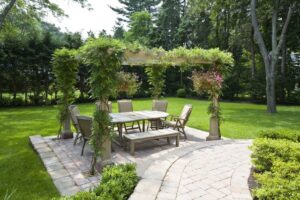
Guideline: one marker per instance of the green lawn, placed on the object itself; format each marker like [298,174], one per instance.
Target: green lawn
[21,169]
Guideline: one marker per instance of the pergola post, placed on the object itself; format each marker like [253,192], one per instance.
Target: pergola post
[66,132]
[106,144]
[214,126]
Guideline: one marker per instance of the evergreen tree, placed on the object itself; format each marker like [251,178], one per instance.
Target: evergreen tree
[168,24]
[118,31]
[140,28]
[132,6]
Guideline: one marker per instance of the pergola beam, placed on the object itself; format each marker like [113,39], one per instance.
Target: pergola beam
[150,57]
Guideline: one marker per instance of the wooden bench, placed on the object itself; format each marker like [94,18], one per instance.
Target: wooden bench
[150,135]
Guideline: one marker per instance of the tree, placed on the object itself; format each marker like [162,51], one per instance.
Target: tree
[132,6]
[271,57]
[168,23]
[140,28]
[29,6]
[119,31]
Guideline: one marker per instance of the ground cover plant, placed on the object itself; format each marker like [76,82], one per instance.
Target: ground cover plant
[276,160]
[22,170]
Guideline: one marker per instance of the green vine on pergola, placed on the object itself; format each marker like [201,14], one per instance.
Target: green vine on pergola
[105,56]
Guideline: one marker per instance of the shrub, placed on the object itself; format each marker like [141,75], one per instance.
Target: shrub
[5,101]
[36,100]
[83,196]
[280,134]
[181,93]
[118,182]
[17,101]
[282,182]
[266,151]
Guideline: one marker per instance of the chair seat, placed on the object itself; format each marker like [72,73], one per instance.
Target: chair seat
[170,123]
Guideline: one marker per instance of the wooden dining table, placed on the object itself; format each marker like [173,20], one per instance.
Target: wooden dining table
[126,117]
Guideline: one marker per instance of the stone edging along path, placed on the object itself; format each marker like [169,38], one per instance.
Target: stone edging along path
[208,170]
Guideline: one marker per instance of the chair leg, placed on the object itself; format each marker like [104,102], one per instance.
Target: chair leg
[84,141]
[139,126]
[184,133]
[125,127]
[76,138]
[177,140]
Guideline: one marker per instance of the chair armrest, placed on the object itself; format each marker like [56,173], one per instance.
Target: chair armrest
[173,117]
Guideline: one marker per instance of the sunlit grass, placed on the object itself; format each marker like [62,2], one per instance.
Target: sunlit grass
[22,170]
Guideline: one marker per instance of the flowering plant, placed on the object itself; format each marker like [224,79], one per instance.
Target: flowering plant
[210,82]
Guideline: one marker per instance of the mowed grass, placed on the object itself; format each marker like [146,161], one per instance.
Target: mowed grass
[21,169]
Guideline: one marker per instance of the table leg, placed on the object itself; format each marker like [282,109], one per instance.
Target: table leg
[120,130]
[143,125]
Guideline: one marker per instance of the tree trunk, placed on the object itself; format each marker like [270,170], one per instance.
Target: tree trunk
[270,59]
[283,69]
[81,86]
[271,94]
[5,12]
[217,31]
[26,97]
[253,69]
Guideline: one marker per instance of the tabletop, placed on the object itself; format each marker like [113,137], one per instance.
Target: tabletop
[137,116]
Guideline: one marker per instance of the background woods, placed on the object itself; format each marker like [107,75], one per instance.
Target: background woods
[27,45]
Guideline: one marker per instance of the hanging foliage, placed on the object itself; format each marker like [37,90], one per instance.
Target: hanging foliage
[65,67]
[156,78]
[104,56]
[177,57]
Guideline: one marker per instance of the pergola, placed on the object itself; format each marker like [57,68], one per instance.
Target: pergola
[106,55]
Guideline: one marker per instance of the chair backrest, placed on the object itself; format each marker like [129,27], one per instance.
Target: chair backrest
[85,124]
[74,112]
[185,113]
[125,106]
[160,105]
[98,104]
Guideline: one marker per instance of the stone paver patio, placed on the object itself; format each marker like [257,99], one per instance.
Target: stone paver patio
[195,170]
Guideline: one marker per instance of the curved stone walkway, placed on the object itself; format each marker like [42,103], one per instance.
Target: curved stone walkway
[209,170]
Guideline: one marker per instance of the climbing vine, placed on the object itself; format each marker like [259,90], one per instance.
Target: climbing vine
[65,68]
[104,56]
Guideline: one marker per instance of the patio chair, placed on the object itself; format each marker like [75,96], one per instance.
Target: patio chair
[85,125]
[126,106]
[179,122]
[74,112]
[158,105]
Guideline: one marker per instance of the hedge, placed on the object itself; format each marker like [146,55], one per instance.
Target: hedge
[276,159]
[266,151]
[280,134]
[282,182]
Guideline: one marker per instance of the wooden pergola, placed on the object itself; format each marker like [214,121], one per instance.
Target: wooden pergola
[99,52]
